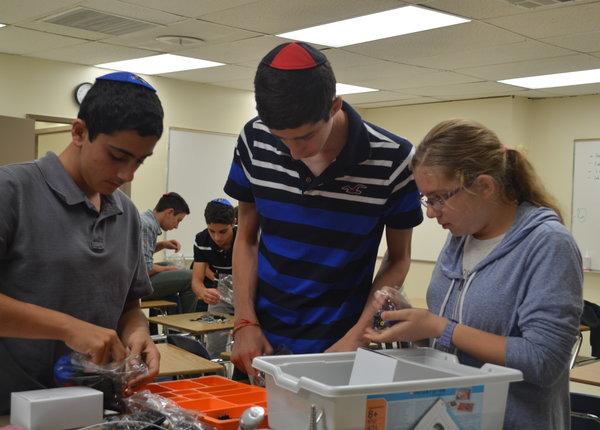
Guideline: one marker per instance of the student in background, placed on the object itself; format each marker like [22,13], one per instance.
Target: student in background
[320,184]
[71,264]
[507,286]
[167,280]
[213,249]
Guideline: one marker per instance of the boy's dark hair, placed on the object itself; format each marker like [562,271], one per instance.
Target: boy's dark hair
[172,201]
[112,106]
[218,213]
[290,93]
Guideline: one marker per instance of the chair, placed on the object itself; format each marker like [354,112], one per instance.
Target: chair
[188,343]
[585,412]
[575,350]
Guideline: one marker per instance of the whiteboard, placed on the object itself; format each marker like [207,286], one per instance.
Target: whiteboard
[198,166]
[585,224]
[428,238]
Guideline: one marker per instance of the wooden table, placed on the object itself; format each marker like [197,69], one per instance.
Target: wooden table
[157,304]
[188,323]
[587,374]
[175,361]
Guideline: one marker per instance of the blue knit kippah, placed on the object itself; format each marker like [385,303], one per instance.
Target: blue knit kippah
[222,202]
[128,77]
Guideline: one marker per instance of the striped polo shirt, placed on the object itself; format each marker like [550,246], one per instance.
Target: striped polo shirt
[319,235]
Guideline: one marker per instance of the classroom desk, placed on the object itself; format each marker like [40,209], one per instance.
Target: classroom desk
[586,374]
[157,304]
[175,361]
[187,323]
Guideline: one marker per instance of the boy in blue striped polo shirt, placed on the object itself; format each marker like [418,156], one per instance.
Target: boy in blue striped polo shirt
[319,184]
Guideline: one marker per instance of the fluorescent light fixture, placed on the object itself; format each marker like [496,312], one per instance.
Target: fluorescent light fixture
[2,25]
[163,63]
[395,22]
[556,80]
[351,89]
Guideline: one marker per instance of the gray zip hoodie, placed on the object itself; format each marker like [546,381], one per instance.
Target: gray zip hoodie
[528,289]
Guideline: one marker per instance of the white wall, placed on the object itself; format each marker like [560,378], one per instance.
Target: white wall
[43,87]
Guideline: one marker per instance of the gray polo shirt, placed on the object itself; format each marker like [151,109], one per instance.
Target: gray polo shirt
[58,252]
[150,231]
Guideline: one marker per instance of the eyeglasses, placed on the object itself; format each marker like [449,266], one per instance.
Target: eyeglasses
[438,202]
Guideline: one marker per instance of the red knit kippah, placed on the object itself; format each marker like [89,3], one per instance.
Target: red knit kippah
[294,56]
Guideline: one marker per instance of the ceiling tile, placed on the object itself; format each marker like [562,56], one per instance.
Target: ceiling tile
[214,74]
[577,90]
[414,80]
[520,51]
[92,53]
[544,66]
[278,16]
[576,18]
[376,96]
[48,27]
[473,89]
[237,52]
[536,94]
[379,69]
[582,42]
[404,102]
[12,11]
[476,9]
[209,32]
[341,59]
[15,40]
[117,7]
[190,8]
[240,84]
[446,40]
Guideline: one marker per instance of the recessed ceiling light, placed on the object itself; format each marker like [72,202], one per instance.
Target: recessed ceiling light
[163,63]
[351,89]
[395,22]
[556,80]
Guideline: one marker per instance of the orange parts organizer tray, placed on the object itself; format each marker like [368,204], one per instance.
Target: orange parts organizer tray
[220,400]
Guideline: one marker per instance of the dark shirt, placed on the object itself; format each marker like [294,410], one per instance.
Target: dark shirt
[207,251]
[319,235]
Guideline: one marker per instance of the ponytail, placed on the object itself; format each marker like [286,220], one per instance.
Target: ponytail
[523,184]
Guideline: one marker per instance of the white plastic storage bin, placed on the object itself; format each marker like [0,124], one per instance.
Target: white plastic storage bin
[431,390]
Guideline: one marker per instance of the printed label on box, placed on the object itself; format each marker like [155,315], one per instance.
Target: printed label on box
[451,408]
[375,416]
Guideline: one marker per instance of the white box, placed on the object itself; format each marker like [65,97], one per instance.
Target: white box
[427,384]
[56,408]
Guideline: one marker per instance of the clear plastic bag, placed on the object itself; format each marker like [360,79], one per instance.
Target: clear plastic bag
[225,288]
[387,299]
[177,259]
[111,378]
[148,411]
[170,415]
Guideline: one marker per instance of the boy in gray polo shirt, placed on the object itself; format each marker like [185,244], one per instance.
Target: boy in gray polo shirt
[71,265]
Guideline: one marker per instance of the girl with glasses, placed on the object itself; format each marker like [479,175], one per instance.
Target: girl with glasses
[507,286]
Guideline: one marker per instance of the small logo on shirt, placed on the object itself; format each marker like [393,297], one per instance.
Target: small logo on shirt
[355,190]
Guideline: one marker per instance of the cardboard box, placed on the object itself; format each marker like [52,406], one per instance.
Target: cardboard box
[56,408]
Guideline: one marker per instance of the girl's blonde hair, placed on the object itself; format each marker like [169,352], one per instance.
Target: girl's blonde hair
[465,149]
